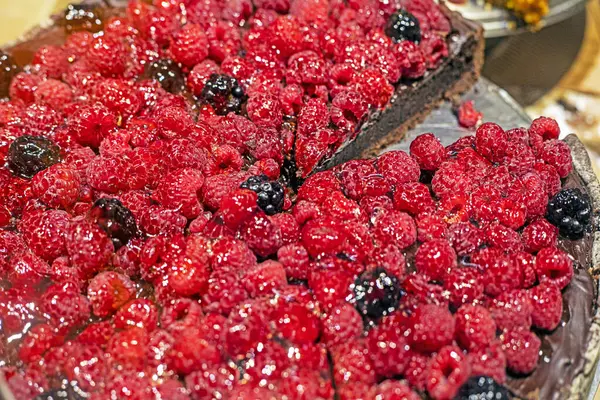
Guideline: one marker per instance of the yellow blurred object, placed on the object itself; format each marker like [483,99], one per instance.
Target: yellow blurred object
[530,11]
[18,17]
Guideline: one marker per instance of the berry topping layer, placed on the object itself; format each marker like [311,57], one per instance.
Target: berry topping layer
[152,248]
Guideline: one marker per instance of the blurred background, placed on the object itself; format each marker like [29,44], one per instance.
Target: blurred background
[553,69]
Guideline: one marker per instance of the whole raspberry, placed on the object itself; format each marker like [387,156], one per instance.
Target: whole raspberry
[465,238]
[330,286]
[465,286]
[173,122]
[413,197]
[108,56]
[549,177]
[264,278]
[297,323]
[106,173]
[398,167]
[90,124]
[388,349]
[57,186]
[179,190]
[394,227]
[539,234]
[416,371]
[108,291]
[189,46]
[51,61]
[522,350]
[217,187]
[262,236]
[127,348]
[428,151]
[294,258]
[430,227]
[88,246]
[468,116]
[451,178]
[23,87]
[491,141]
[322,236]
[558,154]
[44,233]
[342,324]
[554,265]
[475,328]
[348,109]
[374,87]
[212,382]
[545,127]
[424,338]
[265,111]
[519,158]
[526,263]
[489,361]
[446,373]
[512,310]
[499,270]
[435,259]
[53,93]
[503,238]
[547,306]
[238,207]
[36,342]
[351,363]
[391,390]
[140,313]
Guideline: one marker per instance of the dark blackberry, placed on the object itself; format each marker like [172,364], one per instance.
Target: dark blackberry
[376,293]
[29,155]
[570,210]
[270,194]
[83,17]
[402,25]
[482,388]
[167,73]
[8,70]
[115,219]
[224,94]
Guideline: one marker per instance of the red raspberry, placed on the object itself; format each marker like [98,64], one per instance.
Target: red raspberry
[264,278]
[173,122]
[127,348]
[295,261]
[140,313]
[547,306]
[23,86]
[348,110]
[322,236]
[512,213]
[526,263]
[108,291]
[96,333]
[465,286]
[413,197]
[200,74]
[178,190]
[262,236]
[45,232]
[545,127]
[238,207]
[512,310]
[549,177]
[180,314]
[451,178]
[503,238]
[489,361]
[88,246]
[491,141]
[212,382]
[26,269]
[330,286]
[475,328]
[106,173]
[57,186]
[394,227]
[468,116]
[539,234]
[318,187]
[65,306]
[435,259]
[398,167]
[189,46]
[224,40]
[390,258]
[90,124]
[416,371]
[53,93]
[340,208]
[231,253]
[351,363]
[422,336]
[51,61]
[297,323]
[82,364]
[290,230]
[500,273]
[392,390]
[465,238]
[428,151]
[430,227]
[342,324]
[388,349]
[533,195]
[558,154]
[41,120]
[446,373]
[522,350]
[554,265]
[281,6]
[374,87]
[217,187]
[355,177]
[519,158]
[37,341]
[156,220]
[246,327]
[265,111]
[108,56]
[225,291]
[191,353]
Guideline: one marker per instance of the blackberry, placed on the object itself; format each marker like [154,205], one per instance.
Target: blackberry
[482,388]
[224,94]
[570,210]
[402,25]
[8,69]
[377,293]
[167,73]
[270,194]
[115,219]
[28,155]
[82,17]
